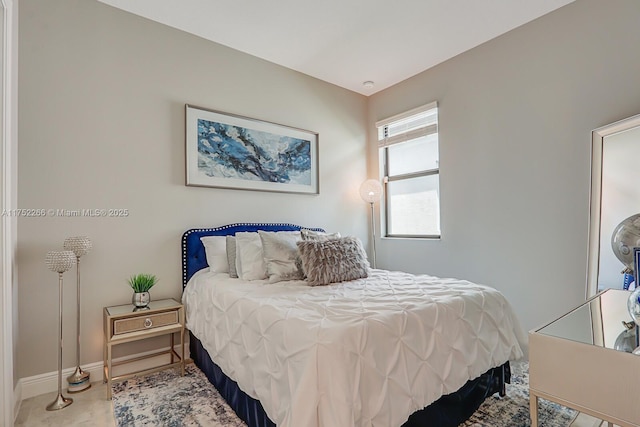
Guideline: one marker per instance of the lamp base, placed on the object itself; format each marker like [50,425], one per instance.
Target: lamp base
[78,376]
[59,403]
[78,381]
[77,388]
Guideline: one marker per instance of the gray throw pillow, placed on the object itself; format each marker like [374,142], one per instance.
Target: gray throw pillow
[231,256]
[317,235]
[333,261]
[280,255]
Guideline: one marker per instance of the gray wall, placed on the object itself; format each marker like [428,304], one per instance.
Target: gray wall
[102,95]
[516,115]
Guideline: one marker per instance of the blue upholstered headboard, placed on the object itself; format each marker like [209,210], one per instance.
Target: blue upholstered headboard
[193,256]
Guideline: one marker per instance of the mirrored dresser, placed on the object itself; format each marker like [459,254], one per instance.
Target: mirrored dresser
[584,361]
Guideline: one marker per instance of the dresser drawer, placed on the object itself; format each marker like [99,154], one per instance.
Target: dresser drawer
[140,323]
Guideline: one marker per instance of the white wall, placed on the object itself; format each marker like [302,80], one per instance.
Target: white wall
[516,115]
[102,97]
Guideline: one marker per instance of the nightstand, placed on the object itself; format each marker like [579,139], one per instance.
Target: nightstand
[125,323]
[576,361]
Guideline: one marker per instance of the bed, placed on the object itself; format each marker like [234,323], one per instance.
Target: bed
[389,349]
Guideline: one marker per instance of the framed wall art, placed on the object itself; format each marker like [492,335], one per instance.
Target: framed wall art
[636,266]
[229,151]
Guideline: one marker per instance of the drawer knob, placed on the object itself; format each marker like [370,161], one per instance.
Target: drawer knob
[148,323]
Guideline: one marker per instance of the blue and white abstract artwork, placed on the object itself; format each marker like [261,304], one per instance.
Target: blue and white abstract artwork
[237,152]
[227,151]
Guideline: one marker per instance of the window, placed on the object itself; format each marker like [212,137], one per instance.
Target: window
[410,165]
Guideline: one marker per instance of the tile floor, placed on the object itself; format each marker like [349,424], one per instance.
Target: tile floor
[584,420]
[89,408]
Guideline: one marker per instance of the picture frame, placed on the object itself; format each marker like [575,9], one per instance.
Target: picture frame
[229,151]
[636,265]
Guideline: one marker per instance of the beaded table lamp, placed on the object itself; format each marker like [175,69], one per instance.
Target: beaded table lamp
[79,379]
[60,261]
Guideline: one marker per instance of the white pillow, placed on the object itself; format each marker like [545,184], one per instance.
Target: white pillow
[249,262]
[215,247]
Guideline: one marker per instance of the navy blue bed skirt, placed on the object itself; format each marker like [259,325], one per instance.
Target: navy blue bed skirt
[448,411]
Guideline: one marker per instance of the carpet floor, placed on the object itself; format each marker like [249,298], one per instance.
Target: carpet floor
[167,399]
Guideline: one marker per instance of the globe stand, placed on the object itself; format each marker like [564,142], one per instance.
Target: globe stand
[60,401]
[79,380]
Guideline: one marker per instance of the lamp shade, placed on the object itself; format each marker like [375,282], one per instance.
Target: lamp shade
[60,261]
[79,245]
[371,191]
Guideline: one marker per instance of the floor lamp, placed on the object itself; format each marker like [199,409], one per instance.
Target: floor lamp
[371,191]
[79,380]
[60,261]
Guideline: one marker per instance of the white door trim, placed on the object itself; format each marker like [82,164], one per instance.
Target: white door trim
[7,197]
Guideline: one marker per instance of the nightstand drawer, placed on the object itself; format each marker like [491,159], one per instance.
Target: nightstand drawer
[140,323]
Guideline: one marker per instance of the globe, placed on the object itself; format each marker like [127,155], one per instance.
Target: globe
[626,341]
[625,237]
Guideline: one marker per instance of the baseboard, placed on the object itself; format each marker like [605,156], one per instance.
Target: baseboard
[48,382]
[17,400]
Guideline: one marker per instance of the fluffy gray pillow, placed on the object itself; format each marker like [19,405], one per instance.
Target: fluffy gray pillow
[332,261]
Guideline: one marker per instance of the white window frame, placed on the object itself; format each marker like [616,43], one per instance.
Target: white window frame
[385,141]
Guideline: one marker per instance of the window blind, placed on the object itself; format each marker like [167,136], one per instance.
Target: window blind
[410,125]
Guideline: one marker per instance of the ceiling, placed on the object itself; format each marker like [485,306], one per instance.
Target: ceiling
[346,42]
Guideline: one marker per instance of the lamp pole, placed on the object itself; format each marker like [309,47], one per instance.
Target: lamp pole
[370,192]
[373,236]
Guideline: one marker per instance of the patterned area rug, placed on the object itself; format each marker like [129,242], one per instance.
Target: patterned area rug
[513,409]
[167,399]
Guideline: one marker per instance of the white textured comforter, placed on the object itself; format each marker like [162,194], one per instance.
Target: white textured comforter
[364,353]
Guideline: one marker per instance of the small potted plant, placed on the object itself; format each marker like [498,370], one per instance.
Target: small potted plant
[141,283]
